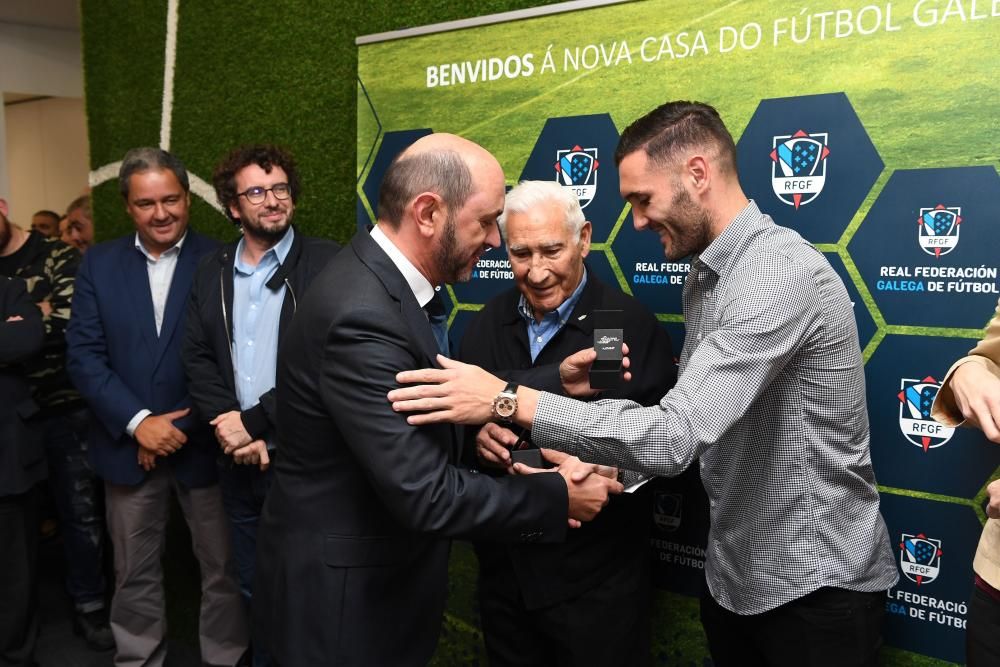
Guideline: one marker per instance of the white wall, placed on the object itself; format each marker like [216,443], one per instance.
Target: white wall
[37,61]
[46,155]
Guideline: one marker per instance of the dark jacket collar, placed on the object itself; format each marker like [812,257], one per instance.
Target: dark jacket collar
[226,256]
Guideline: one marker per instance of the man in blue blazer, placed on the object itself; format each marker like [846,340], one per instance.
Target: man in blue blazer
[124,340]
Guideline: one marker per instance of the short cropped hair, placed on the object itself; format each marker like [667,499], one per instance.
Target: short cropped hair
[146,158]
[265,156]
[527,195]
[48,214]
[443,172]
[676,126]
[82,202]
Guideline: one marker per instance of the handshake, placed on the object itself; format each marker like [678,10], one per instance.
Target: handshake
[589,485]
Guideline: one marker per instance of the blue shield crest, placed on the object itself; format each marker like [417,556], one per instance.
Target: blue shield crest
[920,558]
[798,166]
[939,228]
[577,169]
[915,400]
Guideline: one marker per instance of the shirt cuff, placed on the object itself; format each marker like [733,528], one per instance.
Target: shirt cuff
[557,422]
[135,421]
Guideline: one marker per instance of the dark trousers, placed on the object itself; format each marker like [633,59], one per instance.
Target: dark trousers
[79,497]
[830,626]
[982,632]
[244,488]
[18,572]
[605,626]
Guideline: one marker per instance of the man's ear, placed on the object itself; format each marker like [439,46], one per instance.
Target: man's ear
[428,209]
[697,173]
[4,211]
[585,233]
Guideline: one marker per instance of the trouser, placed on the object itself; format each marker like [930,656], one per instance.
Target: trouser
[830,626]
[605,626]
[78,495]
[244,489]
[137,520]
[18,574]
[982,632]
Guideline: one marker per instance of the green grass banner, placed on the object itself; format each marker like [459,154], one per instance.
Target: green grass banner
[871,128]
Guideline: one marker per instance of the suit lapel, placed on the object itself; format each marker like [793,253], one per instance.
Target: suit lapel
[135,278]
[381,265]
[180,287]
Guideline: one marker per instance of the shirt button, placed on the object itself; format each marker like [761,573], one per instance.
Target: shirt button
[699,336]
[250,342]
[253,306]
[709,294]
[538,340]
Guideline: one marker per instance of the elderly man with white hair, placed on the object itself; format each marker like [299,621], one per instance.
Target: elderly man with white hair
[544,604]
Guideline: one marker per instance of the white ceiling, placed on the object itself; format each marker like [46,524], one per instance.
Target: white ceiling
[53,14]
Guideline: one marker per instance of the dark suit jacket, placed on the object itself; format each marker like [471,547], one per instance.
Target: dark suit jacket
[352,554]
[22,455]
[121,366]
[207,351]
[617,539]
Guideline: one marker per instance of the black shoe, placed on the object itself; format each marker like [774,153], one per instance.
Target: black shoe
[93,627]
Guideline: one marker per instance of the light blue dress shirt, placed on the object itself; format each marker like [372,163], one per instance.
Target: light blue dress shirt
[540,333]
[256,317]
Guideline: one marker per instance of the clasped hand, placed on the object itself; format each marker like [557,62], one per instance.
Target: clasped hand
[157,436]
[589,485]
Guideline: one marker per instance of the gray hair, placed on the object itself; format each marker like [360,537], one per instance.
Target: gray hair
[527,195]
[443,172]
[146,158]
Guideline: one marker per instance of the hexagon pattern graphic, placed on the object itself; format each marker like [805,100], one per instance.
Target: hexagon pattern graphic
[578,152]
[928,247]
[863,318]
[924,255]
[808,163]
[909,449]
[931,542]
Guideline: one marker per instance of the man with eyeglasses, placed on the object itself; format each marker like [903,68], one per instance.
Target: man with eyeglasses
[244,296]
[124,355]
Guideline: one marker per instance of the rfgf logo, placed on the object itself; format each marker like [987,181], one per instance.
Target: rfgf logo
[939,228]
[920,558]
[798,166]
[915,400]
[576,169]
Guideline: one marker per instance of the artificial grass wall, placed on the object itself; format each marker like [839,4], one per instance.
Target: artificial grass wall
[245,72]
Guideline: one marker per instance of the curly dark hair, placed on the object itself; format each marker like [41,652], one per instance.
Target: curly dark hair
[265,156]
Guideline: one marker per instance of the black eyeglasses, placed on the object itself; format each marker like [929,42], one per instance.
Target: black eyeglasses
[257,194]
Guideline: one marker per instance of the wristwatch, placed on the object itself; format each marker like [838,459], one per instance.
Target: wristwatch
[505,404]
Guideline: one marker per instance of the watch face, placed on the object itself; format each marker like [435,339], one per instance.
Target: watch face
[506,406]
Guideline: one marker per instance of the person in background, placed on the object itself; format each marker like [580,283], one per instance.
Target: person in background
[970,396]
[49,267]
[543,604]
[46,223]
[124,355]
[79,227]
[243,297]
[22,466]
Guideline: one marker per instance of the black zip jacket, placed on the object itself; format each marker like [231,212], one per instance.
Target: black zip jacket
[207,351]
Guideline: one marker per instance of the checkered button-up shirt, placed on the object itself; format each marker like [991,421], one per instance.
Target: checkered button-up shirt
[770,398]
